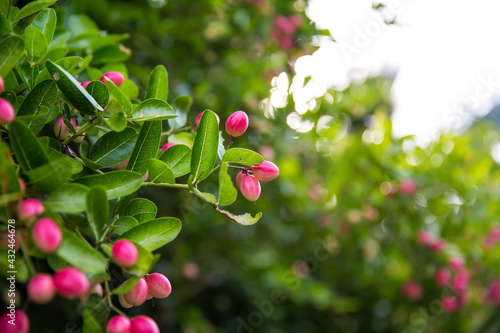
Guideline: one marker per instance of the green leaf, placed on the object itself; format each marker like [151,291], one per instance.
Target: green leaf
[54,53]
[27,73]
[245,219]
[32,8]
[78,253]
[67,63]
[5,26]
[152,109]
[227,192]
[73,90]
[159,172]
[111,53]
[97,210]
[26,147]
[157,84]
[117,122]
[81,24]
[121,204]
[36,45]
[146,147]
[144,263]
[10,81]
[126,286]
[205,146]
[90,324]
[99,91]
[44,93]
[141,209]
[35,123]
[155,233]
[113,147]
[124,224]
[120,97]
[208,197]
[46,21]
[178,159]
[242,156]
[107,40]
[11,49]
[70,198]
[115,183]
[130,89]
[52,175]
[181,106]
[83,155]
[183,138]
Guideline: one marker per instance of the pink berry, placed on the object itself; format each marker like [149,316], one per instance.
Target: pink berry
[442,277]
[412,290]
[61,130]
[286,43]
[116,77]
[144,324]
[424,237]
[250,188]
[265,171]
[2,85]
[46,235]
[493,295]
[198,119]
[408,187]
[237,123]
[7,112]
[239,178]
[438,245]
[124,253]
[138,294]
[29,209]
[41,288]
[166,146]
[123,302]
[461,281]
[21,319]
[85,84]
[22,185]
[457,262]
[449,304]
[118,324]
[159,286]
[71,283]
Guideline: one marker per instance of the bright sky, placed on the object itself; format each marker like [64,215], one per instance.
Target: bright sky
[446,55]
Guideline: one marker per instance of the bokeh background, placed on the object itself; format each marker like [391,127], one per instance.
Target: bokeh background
[368,228]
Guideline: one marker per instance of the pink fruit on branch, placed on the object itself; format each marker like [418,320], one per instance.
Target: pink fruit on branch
[118,324]
[41,288]
[144,324]
[158,284]
[71,283]
[250,188]
[237,123]
[46,235]
[116,77]
[7,112]
[138,294]
[265,171]
[125,253]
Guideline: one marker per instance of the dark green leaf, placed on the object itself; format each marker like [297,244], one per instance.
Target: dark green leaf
[115,183]
[113,148]
[141,209]
[155,233]
[36,45]
[46,21]
[245,219]
[27,73]
[11,49]
[157,84]
[70,198]
[152,109]
[99,91]
[227,192]
[97,210]
[67,63]
[112,53]
[178,159]
[122,203]
[159,172]
[25,146]
[242,156]
[146,147]
[32,8]
[52,175]
[44,93]
[205,146]
[107,40]
[73,90]
[78,253]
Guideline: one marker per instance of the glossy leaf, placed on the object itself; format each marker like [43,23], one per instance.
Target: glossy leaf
[155,233]
[145,261]
[44,93]
[46,21]
[11,49]
[99,91]
[152,109]
[52,175]
[97,210]
[113,147]
[36,45]
[242,156]
[157,84]
[205,146]
[159,172]
[26,147]
[141,209]
[245,219]
[178,159]
[124,224]
[120,97]
[70,198]
[146,147]
[227,192]
[67,63]
[79,254]
[5,26]
[32,8]
[115,183]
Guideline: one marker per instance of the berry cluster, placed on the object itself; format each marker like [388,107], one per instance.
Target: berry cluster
[283,29]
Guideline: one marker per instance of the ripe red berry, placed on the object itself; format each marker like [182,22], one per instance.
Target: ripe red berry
[449,303]
[21,319]
[41,288]
[158,284]
[29,209]
[85,84]
[118,324]
[239,177]
[198,119]
[144,324]
[138,294]
[46,235]
[237,123]
[71,283]
[61,130]
[250,188]
[166,146]
[265,171]
[7,112]
[124,253]
[116,77]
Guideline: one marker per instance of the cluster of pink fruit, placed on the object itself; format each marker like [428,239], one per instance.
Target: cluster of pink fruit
[456,277]
[7,112]
[425,238]
[283,29]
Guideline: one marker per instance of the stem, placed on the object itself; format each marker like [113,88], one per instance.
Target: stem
[29,263]
[88,125]
[214,169]
[108,294]
[178,130]
[167,185]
